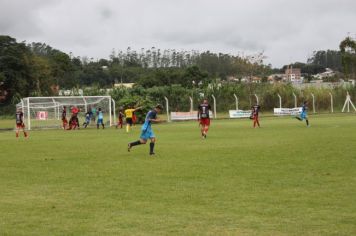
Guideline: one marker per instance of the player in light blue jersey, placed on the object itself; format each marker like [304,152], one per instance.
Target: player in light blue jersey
[304,114]
[146,130]
[87,119]
[100,119]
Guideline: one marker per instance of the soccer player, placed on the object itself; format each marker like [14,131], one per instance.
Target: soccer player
[75,111]
[134,118]
[121,116]
[64,117]
[20,124]
[87,119]
[128,114]
[100,119]
[304,114]
[90,113]
[254,115]
[93,117]
[74,121]
[146,130]
[203,117]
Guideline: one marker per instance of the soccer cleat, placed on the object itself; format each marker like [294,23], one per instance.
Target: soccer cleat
[152,153]
[128,147]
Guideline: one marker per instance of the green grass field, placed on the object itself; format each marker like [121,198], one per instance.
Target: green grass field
[282,179]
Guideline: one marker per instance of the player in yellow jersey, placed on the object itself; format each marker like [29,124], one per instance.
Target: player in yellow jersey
[128,114]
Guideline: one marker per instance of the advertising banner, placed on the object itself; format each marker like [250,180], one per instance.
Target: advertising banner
[239,114]
[287,111]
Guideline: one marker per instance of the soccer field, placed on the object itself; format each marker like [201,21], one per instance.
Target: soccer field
[281,179]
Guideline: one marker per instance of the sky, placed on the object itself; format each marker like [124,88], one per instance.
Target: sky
[286,31]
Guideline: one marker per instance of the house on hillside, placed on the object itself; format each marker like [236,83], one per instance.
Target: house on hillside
[125,85]
[255,79]
[251,79]
[70,92]
[293,75]
[232,79]
[275,78]
[326,74]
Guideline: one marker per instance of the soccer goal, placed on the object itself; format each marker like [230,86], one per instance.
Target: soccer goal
[46,112]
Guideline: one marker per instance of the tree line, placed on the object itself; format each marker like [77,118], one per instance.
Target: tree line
[37,69]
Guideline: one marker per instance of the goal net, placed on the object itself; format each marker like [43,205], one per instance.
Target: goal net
[46,112]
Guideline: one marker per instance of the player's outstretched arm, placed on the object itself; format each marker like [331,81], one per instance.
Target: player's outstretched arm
[157,120]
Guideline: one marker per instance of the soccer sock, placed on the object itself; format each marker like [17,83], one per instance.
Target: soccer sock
[103,126]
[127,128]
[206,130]
[152,145]
[298,118]
[17,134]
[307,121]
[138,142]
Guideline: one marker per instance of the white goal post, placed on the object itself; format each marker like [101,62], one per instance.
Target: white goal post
[46,112]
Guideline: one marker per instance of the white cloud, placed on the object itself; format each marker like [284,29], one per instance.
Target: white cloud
[286,30]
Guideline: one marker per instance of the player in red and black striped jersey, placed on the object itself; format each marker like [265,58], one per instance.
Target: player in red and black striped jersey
[74,121]
[121,117]
[203,117]
[20,124]
[64,118]
[254,115]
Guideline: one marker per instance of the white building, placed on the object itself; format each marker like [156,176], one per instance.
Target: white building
[328,73]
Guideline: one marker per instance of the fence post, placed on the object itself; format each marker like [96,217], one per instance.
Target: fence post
[257,99]
[114,107]
[295,100]
[348,102]
[28,114]
[191,104]
[236,101]
[214,106]
[167,108]
[23,110]
[331,102]
[110,110]
[280,100]
[313,102]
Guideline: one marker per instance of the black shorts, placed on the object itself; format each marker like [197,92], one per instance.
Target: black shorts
[129,121]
